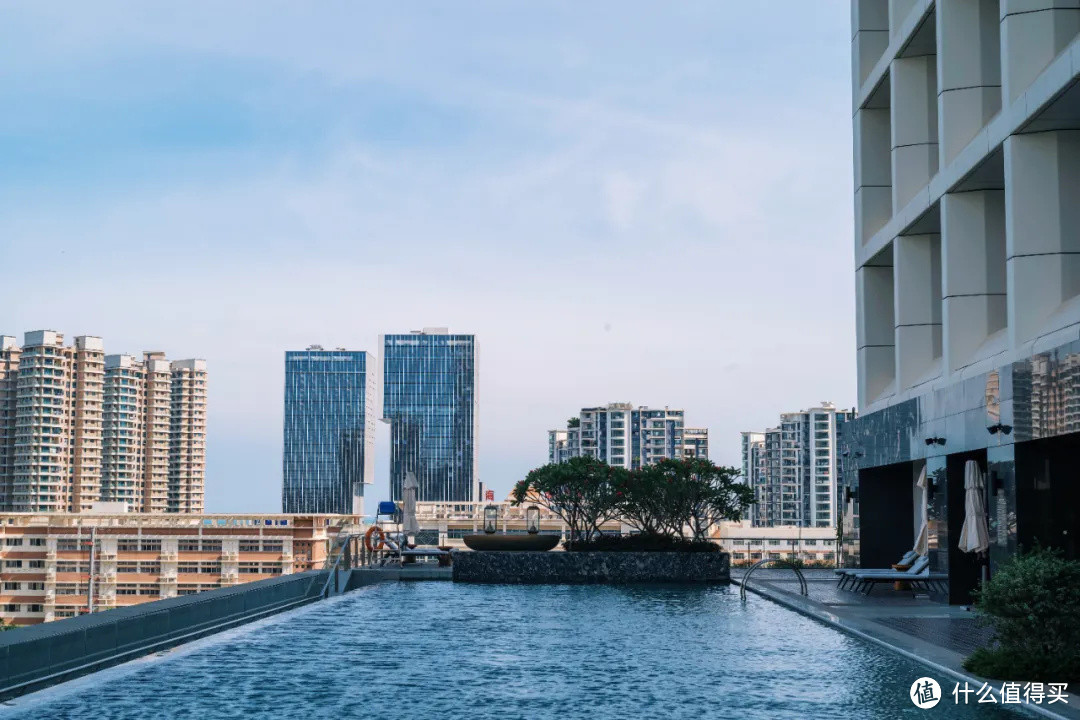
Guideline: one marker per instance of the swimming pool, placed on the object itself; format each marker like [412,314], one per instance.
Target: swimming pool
[445,650]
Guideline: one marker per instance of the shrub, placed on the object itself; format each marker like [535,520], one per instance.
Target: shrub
[1033,604]
[641,543]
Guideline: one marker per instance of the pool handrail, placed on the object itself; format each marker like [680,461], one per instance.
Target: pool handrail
[785,562]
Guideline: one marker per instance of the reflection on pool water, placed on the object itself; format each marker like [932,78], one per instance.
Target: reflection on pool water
[440,650]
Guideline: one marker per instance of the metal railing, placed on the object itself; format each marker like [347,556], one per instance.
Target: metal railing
[783,563]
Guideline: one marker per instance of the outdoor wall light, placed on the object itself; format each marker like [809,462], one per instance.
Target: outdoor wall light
[999,428]
[935,441]
[532,520]
[491,519]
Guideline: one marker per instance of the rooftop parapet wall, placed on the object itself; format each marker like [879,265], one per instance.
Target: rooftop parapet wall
[41,655]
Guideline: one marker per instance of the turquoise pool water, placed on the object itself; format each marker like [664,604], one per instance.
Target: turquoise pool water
[439,650]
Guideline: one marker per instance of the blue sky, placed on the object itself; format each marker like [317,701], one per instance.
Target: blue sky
[625,201]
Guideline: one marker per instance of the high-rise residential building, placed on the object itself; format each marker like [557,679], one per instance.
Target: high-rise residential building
[429,400]
[794,469]
[696,443]
[9,375]
[753,473]
[557,445]
[627,436]
[330,411]
[967,276]
[78,427]
[187,436]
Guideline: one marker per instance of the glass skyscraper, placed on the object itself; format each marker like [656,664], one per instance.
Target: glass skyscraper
[429,399]
[329,430]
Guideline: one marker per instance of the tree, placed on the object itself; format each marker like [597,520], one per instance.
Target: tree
[673,495]
[581,491]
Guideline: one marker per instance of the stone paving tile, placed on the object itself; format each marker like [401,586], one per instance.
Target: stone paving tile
[959,634]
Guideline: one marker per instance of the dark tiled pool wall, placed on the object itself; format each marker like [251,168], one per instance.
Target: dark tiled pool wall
[590,568]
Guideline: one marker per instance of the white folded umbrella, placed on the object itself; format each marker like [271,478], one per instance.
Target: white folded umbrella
[409,524]
[922,540]
[974,535]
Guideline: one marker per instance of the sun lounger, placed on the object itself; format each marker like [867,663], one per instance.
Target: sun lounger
[918,575]
[847,574]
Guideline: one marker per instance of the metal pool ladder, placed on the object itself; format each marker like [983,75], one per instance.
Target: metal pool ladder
[783,563]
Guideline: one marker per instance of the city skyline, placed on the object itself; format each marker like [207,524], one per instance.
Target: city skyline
[618,209]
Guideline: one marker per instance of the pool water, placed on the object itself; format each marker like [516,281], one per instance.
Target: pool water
[444,650]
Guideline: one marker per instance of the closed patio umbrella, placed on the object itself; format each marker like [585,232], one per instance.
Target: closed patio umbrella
[922,540]
[409,524]
[974,535]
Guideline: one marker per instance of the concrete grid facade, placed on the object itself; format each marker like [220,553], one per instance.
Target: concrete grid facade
[967,264]
[78,427]
[967,170]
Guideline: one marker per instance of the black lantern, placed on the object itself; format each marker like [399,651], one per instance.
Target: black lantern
[491,519]
[532,520]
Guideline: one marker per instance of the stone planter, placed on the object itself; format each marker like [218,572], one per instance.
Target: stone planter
[588,568]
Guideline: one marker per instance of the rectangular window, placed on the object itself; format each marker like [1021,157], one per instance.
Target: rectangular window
[37,542]
[13,563]
[11,586]
[12,542]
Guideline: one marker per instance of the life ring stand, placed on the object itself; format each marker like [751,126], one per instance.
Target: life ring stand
[379,544]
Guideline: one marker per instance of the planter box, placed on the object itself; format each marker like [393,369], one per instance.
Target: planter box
[588,568]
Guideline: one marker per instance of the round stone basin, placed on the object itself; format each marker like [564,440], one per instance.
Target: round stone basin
[511,542]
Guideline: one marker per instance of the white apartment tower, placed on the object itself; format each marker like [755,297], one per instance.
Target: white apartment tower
[79,427]
[795,468]
[187,436]
[627,436]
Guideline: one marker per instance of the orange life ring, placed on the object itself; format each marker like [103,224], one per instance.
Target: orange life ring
[373,547]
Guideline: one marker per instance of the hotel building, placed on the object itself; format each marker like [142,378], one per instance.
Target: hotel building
[78,427]
[620,434]
[794,469]
[429,400]
[966,120]
[329,444]
[55,565]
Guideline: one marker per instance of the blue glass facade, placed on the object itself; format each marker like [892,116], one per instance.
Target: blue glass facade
[329,430]
[429,399]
